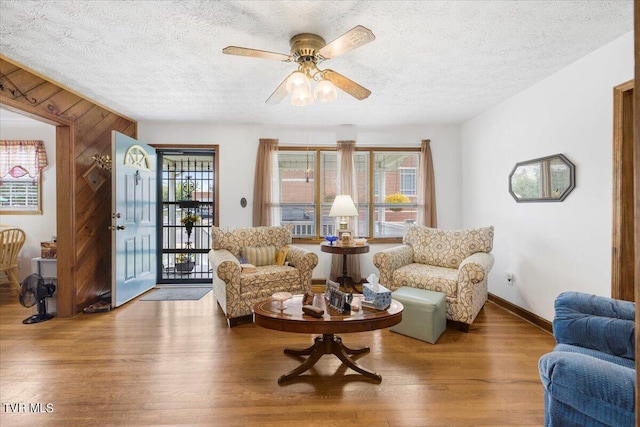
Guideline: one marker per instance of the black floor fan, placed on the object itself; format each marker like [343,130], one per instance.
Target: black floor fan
[34,291]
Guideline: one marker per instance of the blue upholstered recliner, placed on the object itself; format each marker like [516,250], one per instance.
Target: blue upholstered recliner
[589,378]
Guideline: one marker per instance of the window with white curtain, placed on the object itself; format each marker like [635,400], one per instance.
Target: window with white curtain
[21,164]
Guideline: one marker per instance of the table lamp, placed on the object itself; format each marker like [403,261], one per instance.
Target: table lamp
[343,207]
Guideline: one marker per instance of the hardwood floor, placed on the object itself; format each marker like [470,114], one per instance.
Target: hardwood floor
[176,363]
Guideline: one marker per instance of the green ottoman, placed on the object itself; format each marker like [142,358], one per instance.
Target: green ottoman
[424,316]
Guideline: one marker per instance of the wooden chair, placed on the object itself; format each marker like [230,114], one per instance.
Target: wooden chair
[11,242]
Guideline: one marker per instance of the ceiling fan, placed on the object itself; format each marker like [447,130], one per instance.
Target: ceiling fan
[308,50]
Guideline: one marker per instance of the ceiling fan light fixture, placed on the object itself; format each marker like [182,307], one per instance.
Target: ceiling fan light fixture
[325,91]
[301,96]
[307,51]
[297,79]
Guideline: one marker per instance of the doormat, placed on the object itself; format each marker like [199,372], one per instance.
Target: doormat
[176,294]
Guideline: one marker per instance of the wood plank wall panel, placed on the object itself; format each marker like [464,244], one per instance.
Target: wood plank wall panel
[89,226]
[79,110]
[83,129]
[23,80]
[636,215]
[61,102]
[41,92]
[93,126]
[44,91]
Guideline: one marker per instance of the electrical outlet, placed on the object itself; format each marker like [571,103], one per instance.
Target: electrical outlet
[509,277]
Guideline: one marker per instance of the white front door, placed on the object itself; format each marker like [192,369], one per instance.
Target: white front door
[133,189]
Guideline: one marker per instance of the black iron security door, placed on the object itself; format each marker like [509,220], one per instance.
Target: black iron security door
[187,213]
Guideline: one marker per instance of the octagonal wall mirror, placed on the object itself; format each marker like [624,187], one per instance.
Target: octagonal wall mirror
[547,179]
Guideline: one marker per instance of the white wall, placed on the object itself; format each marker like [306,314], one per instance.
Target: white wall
[239,144]
[549,247]
[38,228]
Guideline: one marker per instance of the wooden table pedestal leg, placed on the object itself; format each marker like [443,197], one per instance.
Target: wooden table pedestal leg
[328,344]
[345,283]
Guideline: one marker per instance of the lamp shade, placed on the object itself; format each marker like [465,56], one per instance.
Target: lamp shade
[295,80]
[325,91]
[301,96]
[343,206]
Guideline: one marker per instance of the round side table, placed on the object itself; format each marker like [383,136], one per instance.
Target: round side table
[344,250]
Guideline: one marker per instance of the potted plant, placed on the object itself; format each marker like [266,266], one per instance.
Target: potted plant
[396,198]
[184,262]
[188,221]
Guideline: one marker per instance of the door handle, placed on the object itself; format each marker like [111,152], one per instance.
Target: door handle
[120,227]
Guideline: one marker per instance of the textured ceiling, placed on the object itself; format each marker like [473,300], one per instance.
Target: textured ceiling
[431,62]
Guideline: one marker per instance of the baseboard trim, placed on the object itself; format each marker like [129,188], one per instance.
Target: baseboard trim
[522,313]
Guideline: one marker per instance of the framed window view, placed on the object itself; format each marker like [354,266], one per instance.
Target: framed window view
[387,196]
[21,164]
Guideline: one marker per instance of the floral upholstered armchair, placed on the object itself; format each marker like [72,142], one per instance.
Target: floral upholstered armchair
[280,267]
[454,262]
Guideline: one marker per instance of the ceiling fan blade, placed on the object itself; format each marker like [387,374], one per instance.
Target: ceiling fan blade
[347,85]
[255,53]
[355,37]
[278,94]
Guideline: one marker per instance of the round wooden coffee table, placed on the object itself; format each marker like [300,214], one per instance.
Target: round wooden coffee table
[268,315]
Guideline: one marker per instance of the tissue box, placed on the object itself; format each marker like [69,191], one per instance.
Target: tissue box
[380,298]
